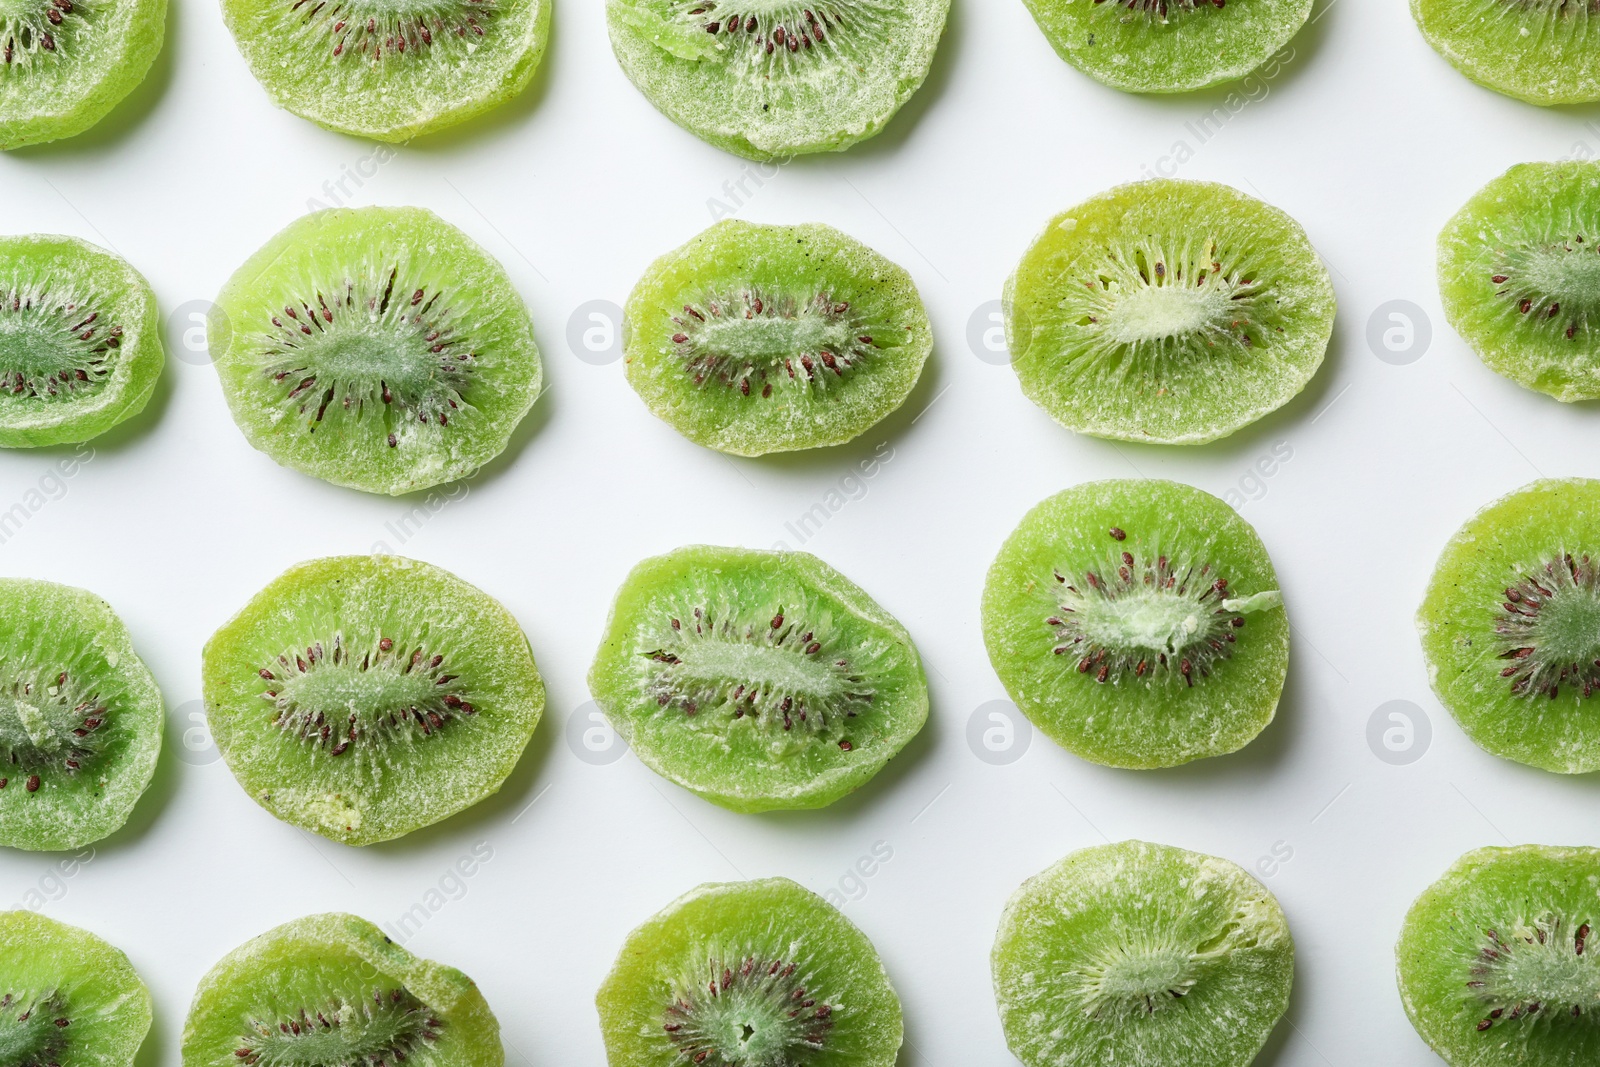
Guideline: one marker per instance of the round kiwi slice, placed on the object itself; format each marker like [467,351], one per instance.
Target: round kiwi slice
[80,718]
[1519,273]
[390,71]
[66,997]
[80,341]
[1497,960]
[1510,626]
[333,991]
[1138,623]
[64,64]
[364,697]
[749,974]
[1168,46]
[1168,311]
[753,339]
[377,348]
[777,78]
[758,680]
[1535,50]
[1141,955]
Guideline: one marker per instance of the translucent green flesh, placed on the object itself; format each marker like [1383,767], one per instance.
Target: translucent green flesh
[1541,51]
[66,997]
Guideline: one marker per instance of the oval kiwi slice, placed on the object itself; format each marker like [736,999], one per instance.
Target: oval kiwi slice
[777,78]
[377,348]
[390,71]
[1138,623]
[66,997]
[747,974]
[64,64]
[1497,963]
[332,989]
[80,718]
[753,339]
[1510,626]
[1144,955]
[1519,273]
[1168,311]
[80,341]
[758,680]
[1539,50]
[364,697]
[1168,46]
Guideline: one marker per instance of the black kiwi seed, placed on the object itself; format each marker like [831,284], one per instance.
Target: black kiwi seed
[55,729]
[705,361]
[1557,945]
[375,32]
[71,349]
[406,1025]
[35,1028]
[1537,609]
[767,992]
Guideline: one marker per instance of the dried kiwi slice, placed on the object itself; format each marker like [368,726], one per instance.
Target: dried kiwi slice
[80,718]
[1168,46]
[390,71]
[749,974]
[1138,623]
[80,341]
[1168,311]
[1141,955]
[1497,961]
[66,997]
[364,697]
[331,990]
[64,64]
[1519,272]
[753,339]
[777,78]
[1511,626]
[758,680]
[377,348]
[1540,51]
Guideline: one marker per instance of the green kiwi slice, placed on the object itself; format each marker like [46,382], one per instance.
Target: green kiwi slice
[388,70]
[1168,46]
[376,348]
[1138,623]
[1141,955]
[1168,311]
[749,974]
[1519,274]
[758,680]
[64,64]
[1539,51]
[363,697]
[67,998]
[333,991]
[1497,960]
[80,341]
[1510,626]
[80,719]
[777,78]
[753,339]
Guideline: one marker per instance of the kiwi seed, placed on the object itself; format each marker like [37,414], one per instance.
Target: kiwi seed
[750,339]
[739,1000]
[390,1027]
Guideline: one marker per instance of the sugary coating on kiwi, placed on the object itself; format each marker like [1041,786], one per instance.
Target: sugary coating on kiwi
[777,78]
[390,71]
[1510,626]
[753,339]
[64,64]
[1540,51]
[363,697]
[1519,275]
[1168,311]
[1497,962]
[333,991]
[66,997]
[1141,955]
[1138,623]
[80,340]
[80,718]
[758,680]
[1168,46]
[377,348]
[749,974]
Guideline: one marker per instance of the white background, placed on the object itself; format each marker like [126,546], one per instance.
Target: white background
[1365,136]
